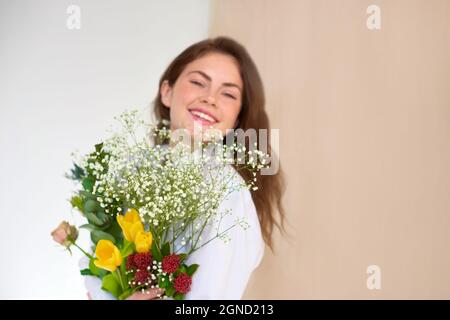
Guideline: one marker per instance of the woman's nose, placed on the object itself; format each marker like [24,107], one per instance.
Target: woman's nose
[209,100]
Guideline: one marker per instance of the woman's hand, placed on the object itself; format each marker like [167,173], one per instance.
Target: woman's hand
[149,294]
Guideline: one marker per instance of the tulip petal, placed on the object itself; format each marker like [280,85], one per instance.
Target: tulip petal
[104,265]
[130,223]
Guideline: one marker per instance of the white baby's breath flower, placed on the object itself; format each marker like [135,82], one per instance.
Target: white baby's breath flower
[169,187]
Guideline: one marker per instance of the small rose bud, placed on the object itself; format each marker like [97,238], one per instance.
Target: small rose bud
[65,234]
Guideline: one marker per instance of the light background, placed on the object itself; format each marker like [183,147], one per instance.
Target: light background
[364,120]
[59,90]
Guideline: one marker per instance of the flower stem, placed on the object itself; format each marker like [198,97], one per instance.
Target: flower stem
[85,253]
[119,275]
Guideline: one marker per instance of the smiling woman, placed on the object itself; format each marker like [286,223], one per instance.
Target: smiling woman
[214,83]
[218,78]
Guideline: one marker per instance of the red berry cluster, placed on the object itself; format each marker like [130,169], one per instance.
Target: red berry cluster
[142,277]
[182,283]
[140,262]
[171,263]
[130,263]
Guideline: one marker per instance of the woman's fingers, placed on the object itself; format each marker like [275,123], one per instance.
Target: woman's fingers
[149,294]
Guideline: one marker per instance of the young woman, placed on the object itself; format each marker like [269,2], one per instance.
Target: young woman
[215,83]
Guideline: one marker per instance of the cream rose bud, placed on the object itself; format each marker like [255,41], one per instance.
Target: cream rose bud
[65,234]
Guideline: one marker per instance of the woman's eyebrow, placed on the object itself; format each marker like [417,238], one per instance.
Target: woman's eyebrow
[226,84]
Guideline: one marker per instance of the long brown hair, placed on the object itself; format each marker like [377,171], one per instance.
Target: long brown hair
[267,198]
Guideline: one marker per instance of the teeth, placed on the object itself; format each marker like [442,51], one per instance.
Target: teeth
[203,116]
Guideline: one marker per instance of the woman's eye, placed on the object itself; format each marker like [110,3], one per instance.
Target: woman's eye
[230,96]
[197,83]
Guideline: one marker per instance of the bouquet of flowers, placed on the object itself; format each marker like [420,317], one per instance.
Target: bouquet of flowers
[147,204]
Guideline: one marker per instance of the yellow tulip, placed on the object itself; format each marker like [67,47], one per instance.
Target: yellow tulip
[131,224]
[143,241]
[108,256]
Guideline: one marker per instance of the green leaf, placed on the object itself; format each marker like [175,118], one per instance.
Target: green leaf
[92,218]
[77,202]
[86,272]
[91,206]
[89,227]
[98,235]
[95,270]
[178,296]
[111,285]
[191,269]
[170,291]
[98,147]
[163,283]
[182,256]
[126,294]
[183,268]
[156,253]
[128,248]
[76,173]
[88,184]
[86,194]
[102,216]
[165,250]
[115,230]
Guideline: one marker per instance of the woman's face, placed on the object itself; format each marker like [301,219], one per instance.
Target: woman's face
[208,92]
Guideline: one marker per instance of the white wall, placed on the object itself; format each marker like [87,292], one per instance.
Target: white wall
[59,90]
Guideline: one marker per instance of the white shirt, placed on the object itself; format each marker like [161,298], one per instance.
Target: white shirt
[224,268]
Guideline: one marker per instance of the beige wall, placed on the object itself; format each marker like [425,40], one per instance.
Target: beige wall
[364,120]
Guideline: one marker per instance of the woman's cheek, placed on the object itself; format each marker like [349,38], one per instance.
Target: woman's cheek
[231,116]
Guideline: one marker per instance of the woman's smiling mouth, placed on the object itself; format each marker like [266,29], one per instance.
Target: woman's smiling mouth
[202,117]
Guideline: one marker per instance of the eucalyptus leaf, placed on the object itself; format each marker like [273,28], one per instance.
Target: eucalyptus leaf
[102,216]
[98,235]
[114,229]
[92,218]
[89,227]
[91,206]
